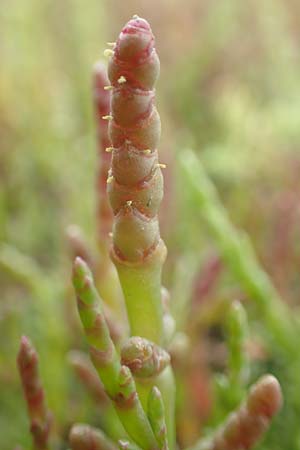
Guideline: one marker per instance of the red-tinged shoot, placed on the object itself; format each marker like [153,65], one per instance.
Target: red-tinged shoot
[135,190]
[246,426]
[135,182]
[39,415]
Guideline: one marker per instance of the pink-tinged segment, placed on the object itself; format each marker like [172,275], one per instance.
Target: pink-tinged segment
[135,42]
[245,427]
[40,416]
[135,186]
[265,397]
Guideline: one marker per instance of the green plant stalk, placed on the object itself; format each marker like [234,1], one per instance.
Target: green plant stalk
[135,183]
[232,386]
[117,379]
[135,189]
[141,288]
[238,252]
[236,327]
[150,364]
[166,384]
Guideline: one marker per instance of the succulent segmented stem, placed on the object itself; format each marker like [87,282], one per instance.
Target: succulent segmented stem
[85,437]
[117,379]
[135,182]
[245,426]
[38,412]
[102,108]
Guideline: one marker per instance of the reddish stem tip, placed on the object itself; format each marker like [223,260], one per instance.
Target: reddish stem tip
[265,397]
[137,23]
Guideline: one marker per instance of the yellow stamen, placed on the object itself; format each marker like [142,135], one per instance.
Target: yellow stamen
[122,80]
[109,179]
[109,117]
[108,88]
[109,149]
[108,53]
[111,44]
[162,166]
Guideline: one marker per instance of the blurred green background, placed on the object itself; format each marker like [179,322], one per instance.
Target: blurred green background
[229,88]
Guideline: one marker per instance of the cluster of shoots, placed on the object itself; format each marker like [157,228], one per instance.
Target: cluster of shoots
[129,371]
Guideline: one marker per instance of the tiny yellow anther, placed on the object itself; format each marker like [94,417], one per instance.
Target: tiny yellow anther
[108,88]
[129,202]
[110,234]
[135,16]
[108,117]
[109,179]
[109,149]
[108,53]
[162,166]
[147,151]
[122,80]
[111,44]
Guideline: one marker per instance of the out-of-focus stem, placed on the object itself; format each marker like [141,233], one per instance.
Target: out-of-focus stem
[249,422]
[40,416]
[85,437]
[102,108]
[237,334]
[88,376]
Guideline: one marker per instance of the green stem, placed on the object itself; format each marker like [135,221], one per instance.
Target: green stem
[141,284]
[117,379]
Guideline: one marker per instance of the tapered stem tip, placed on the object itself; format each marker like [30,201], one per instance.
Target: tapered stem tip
[265,397]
